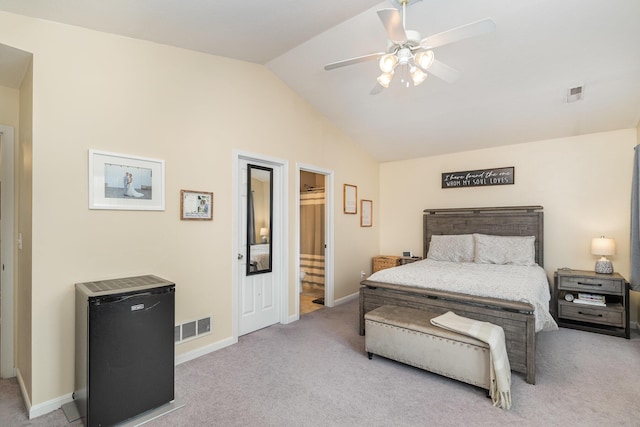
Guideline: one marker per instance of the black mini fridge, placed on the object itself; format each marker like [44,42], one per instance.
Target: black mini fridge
[124,348]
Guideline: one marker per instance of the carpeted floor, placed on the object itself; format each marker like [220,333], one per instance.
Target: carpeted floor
[314,372]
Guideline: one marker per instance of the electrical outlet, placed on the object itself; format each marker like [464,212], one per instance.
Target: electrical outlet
[363,274]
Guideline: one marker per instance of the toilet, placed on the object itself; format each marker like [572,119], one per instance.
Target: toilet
[302,276]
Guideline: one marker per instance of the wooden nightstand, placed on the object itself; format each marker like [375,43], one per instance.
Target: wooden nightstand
[381,262]
[611,319]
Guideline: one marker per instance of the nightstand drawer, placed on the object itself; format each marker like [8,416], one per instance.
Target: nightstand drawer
[591,284]
[585,313]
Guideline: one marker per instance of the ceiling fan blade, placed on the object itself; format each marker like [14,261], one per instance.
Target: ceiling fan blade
[459,33]
[376,89]
[443,71]
[352,61]
[392,21]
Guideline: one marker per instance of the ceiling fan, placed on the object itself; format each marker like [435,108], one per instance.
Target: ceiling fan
[410,55]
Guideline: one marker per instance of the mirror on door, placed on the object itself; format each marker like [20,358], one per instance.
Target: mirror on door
[259,213]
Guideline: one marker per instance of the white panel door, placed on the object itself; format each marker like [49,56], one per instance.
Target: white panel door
[258,294]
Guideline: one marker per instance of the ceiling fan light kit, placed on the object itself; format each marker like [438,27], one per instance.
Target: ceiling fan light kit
[417,75]
[410,52]
[388,62]
[385,78]
[424,59]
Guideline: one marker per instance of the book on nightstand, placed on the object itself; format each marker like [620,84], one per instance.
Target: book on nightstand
[590,299]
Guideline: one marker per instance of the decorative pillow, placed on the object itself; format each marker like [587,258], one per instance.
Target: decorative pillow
[453,248]
[512,250]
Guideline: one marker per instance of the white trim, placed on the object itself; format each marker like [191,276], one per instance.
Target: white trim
[23,390]
[194,354]
[43,408]
[281,221]
[49,406]
[57,402]
[7,285]
[329,290]
[348,298]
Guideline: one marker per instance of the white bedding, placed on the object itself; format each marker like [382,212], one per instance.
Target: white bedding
[260,256]
[508,282]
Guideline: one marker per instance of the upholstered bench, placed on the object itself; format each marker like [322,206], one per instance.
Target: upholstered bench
[406,335]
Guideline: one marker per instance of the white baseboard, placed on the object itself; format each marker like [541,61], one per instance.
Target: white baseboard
[194,354]
[49,406]
[347,298]
[43,408]
[293,318]
[54,404]
[23,390]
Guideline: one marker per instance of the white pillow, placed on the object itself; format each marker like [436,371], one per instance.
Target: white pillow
[512,250]
[452,248]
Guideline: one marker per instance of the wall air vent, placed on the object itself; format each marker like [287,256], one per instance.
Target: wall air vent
[192,329]
[575,94]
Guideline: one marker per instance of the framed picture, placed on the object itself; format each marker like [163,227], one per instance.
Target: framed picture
[196,205]
[121,181]
[350,199]
[366,213]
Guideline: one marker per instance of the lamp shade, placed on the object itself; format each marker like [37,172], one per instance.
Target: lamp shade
[388,62]
[264,231]
[424,59]
[603,246]
[384,79]
[417,75]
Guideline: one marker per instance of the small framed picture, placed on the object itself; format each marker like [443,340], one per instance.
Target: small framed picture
[350,199]
[366,213]
[196,205]
[121,181]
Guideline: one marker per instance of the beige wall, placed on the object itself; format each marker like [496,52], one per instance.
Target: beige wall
[9,106]
[15,111]
[583,183]
[24,303]
[98,91]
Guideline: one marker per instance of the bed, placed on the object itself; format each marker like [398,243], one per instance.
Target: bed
[517,317]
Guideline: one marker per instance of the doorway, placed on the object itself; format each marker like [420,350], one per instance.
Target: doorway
[315,255]
[312,241]
[7,143]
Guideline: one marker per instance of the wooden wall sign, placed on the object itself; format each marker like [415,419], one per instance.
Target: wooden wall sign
[478,178]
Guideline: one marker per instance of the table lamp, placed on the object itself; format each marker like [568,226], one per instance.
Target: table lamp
[264,232]
[602,246]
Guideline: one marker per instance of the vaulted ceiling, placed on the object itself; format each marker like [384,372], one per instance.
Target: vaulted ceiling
[513,84]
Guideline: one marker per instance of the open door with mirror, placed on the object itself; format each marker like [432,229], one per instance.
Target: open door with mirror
[259,215]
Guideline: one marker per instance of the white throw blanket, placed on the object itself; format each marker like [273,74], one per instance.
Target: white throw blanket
[499,369]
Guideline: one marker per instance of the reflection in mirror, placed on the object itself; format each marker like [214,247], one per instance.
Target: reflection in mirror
[259,212]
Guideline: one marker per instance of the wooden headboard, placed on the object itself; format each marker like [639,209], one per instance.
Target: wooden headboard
[500,221]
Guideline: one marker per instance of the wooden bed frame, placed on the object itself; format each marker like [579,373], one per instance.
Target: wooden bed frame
[516,318]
